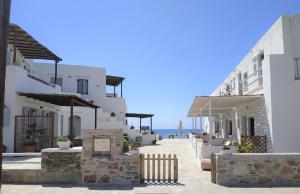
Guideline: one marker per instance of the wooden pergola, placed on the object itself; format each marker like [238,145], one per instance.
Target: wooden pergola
[115,81]
[140,116]
[63,100]
[29,47]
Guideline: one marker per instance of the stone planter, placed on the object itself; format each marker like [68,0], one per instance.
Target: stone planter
[63,145]
[133,152]
[226,151]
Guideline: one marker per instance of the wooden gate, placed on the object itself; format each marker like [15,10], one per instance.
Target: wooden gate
[160,168]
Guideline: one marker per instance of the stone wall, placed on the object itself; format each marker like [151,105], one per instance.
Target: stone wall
[256,169]
[61,166]
[114,168]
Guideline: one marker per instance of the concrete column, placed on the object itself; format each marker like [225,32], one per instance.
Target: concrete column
[201,125]
[192,123]
[222,126]
[210,120]
[238,132]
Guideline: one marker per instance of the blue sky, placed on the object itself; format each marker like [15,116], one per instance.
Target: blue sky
[169,51]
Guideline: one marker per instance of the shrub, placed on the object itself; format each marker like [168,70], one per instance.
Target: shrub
[245,147]
[133,146]
[225,147]
[62,139]
[125,147]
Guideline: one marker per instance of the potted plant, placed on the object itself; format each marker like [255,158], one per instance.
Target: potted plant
[63,142]
[133,148]
[29,141]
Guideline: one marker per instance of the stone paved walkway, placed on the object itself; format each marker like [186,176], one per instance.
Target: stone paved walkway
[191,179]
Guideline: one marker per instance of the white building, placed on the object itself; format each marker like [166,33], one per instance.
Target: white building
[41,97]
[261,95]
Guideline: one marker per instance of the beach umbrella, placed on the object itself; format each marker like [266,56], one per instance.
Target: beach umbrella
[180,128]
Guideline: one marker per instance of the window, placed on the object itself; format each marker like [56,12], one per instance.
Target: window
[297,69]
[82,86]
[59,81]
[240,84]
[217,127]
[230,127]
[262,56]
[245,81]
[254,69]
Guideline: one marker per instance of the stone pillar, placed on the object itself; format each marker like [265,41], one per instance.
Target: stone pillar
[103,161]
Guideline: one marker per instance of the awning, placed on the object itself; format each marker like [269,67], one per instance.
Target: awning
[28,46]
[59,99]
[114,80]
[219,104]
[139,115]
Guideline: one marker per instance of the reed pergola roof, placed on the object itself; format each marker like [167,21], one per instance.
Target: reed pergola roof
[28,46]
[139,115]
[114,80]
[59,99]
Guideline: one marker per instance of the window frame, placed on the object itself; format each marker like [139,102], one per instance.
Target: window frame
[82,91]
[297,68]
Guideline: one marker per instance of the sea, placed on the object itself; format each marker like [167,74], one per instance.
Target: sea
[165,132]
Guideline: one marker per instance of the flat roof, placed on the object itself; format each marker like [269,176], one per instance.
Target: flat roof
[114,80]
[219,104]
[139,115]
[28,46]
[59,99]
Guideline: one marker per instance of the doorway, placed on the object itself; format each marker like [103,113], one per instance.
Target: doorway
[251,126]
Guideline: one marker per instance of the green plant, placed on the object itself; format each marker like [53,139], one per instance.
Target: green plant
[62,139]
[245,147]
[133,146]
[226,147]
[125,147]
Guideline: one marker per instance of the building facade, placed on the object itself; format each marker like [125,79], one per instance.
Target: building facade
[270,76]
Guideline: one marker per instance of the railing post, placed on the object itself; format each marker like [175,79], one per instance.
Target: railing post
[175,169]
[142,168]
[153,167]
[169,168]
[164,167]
[158,168]
[148,167]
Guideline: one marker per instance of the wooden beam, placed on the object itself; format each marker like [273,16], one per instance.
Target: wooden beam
[95,118]
[55,73]
[140,125]
[4,28]
[151,124]
[15,48]
[71,120]
[121,89]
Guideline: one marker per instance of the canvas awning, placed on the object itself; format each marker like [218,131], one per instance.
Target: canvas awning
[219,104]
